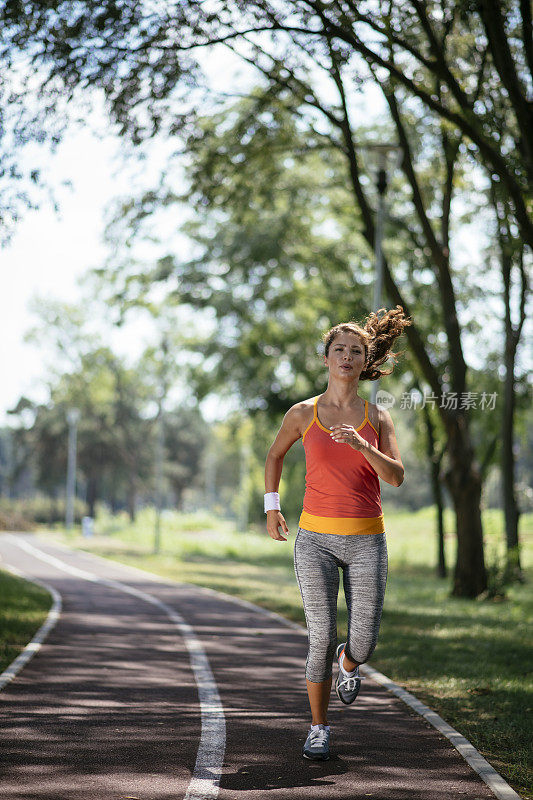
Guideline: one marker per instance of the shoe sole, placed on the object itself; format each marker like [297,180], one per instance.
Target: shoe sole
[316,758]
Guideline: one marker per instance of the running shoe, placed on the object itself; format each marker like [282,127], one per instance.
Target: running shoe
[347,685]
[316,746]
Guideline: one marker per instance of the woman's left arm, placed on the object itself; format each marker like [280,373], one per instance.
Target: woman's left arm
[386,461]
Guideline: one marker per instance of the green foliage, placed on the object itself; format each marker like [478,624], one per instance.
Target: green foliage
[27,513]
[185,438]
[498,578]
[277,261]
[502,570]
[14,519]
[117,429]
[447,58]
[113,436]
[23,609]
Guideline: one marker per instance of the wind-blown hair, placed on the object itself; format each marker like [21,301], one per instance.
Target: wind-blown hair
[377,335]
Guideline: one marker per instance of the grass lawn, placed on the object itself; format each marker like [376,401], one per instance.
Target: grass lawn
[468,660]
[23,609]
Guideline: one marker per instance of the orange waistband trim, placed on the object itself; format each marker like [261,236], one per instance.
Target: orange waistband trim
[344,526]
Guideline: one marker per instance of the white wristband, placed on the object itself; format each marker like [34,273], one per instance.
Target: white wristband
[272,502]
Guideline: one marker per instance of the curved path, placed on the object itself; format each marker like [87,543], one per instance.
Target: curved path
[121,702]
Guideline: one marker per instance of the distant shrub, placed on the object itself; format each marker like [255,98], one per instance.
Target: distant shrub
[26,513]
[502,572]
[13,520]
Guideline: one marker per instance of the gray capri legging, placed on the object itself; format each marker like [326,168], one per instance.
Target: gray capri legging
[363,560]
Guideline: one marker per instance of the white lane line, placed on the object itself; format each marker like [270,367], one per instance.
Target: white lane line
[466,749]
[35,645]
[204,784]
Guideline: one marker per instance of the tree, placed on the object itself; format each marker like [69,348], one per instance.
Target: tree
[512,256]
[186,436]
[117,431]
[114,440]
[469,62]
[265,261]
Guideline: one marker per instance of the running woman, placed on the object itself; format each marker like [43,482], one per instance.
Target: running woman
[349,445]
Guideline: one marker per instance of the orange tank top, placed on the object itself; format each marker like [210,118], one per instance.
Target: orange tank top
[342,491]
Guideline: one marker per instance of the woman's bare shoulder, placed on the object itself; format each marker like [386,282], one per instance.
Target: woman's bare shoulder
[304,405]
[375,415]
[301,413]
[379,416]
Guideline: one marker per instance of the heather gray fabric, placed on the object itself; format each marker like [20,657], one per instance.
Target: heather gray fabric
[363,560]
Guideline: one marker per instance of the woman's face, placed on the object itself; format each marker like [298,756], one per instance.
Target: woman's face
[346,356]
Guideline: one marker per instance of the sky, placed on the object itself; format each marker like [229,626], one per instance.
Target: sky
[50,252]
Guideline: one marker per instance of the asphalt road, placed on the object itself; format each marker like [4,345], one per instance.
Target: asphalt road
[110,707]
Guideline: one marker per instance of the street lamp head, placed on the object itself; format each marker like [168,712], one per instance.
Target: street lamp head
[381,146]
[383,151]
[73,416]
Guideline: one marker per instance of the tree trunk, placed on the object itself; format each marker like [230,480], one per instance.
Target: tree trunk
[92,494]
[508,255]
[464,483]
[54,513]
[113,502]
[132,501]
[441,557]
[435,462]
[439,505]
[510,505]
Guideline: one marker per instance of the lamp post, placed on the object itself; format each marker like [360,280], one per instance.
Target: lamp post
[160,445]
[383,150]
[73,416]
[160,450]
[245,456]
[210,477]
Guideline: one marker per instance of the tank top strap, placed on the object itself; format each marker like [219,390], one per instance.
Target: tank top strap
[315,418]
[367,419]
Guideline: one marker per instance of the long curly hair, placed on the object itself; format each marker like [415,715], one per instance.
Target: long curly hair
[377,334]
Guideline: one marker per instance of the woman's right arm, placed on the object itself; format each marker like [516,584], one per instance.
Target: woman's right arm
[290,431]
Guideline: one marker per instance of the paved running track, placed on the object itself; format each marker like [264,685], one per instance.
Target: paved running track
[109,707]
